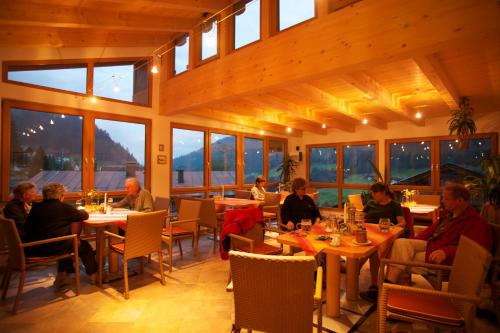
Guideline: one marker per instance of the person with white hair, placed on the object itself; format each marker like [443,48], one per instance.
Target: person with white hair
[137,198]
[19,207]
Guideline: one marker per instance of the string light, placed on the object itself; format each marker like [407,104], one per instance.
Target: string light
[365,121]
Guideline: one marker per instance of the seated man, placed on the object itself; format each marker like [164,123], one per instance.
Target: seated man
[438,243]
[137,198]
[52,218]
[19,207]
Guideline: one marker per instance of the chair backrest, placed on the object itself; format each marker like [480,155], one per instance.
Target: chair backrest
[162,203]
[208,217]
[177,202]
[144,233]
[355,199]
[16,251]
[190,209]
[409,221]
[273,293]
[242,194]
[272,199]
[468,273]
[427,199]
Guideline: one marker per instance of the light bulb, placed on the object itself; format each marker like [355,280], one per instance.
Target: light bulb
[418,115]
[288,129]
[323,126]
[154,69]
[261,132]
[93,100]
[365,121]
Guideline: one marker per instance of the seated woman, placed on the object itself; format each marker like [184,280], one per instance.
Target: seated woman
[19,207]
[258,191]
[52,218]
[382,205]
[298,206]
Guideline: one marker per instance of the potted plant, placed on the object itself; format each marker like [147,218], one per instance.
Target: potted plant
[461,123]
[287,170]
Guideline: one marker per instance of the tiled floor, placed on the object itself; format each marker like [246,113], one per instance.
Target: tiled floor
[193,300]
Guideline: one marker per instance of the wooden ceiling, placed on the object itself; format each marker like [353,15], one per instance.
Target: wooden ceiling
[380,60]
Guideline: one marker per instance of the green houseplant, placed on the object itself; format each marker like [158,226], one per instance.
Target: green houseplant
[461,123]
[287,170]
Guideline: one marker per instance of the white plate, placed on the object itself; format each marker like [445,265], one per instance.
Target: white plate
[368,242]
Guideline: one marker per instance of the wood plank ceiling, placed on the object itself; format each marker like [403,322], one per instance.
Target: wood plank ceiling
[445,50]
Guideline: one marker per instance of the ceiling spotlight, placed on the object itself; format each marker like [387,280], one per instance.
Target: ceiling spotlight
[365,121]
[323,126]
[261,132]
[418,115]
[154,69]
[289,130]
[93,100]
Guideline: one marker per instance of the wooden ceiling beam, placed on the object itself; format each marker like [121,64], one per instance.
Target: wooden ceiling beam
[39,15]
[374,90]
[432,68]
[210,6]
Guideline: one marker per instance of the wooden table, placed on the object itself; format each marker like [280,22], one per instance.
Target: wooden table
[379,242]
[233,203]
[100,222]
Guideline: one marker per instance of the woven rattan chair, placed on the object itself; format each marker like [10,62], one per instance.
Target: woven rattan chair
[17,261]
[452,309]
[143,237]
[271,209]
[185,227]
[275,293]
[252,241]
[210,219]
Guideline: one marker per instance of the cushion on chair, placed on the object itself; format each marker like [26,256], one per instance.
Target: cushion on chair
[426,307]
[176,231]
[118,247]
[262,248]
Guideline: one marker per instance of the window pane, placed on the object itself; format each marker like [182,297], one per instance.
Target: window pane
[356,168]
[223,159]
[70,79]
[323,165]
[124,82]
[275,160]
[247,24]
[254,159]
[292,12]
[457,163]
[209,40]
[45,148]
[411,163]
[119,153]
[188,156]
[182,55]
[328,197]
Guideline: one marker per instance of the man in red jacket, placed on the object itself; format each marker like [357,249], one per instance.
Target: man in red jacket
[438,243]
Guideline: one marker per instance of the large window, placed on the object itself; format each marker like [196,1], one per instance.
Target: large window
[81,149]
[222,159]
[337,175]
[292,12]
[125,80]
[276,154]
[209,39]
[188,158]
[253,151]
[410,163]
[246,23]
[181,54]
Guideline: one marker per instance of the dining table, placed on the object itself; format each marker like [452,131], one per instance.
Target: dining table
[309,241]
[235,203]
[99,221]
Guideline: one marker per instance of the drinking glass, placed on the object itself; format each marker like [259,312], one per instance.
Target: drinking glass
[305,225]
[384,224]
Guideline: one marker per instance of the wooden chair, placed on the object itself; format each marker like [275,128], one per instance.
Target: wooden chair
[453,309]
[271,209]
[274,293]
[356,201]
[184,228]
[243,194]
[162,203]
[143,237]
[18,261]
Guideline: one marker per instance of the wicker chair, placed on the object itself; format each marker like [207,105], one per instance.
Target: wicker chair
[243,194]
[274,293]
[185,227]
[143,237]
[271,209]
[17,261]
[453,309]
[252,241]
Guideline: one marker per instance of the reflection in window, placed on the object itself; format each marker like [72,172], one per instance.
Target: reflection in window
[253,159]
[275,160]
[188,152]
[181,52]
[70,78]
[46,147]
[246,23]
[323,165]
[119,153]
[292,12]
[208,39]
[223,159]
[455,163]
[356,168]
[125,82]
[411,163]
[328,197]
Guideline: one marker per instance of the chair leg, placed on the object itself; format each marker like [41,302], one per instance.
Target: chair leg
[125,278]
[160,259]
[22,275]
[77,273]
[170,257]
[215,240]
[6,282]
[180,246]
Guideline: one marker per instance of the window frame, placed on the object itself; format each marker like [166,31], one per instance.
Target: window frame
[173,73]
[232,30]
[199,44]
[88,144]
[295,25]
[264,158]
[73,63]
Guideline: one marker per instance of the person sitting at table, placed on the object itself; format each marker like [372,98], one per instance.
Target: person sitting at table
[53,218]
[258,191]
[382,205]
[137,198]
[19,207]
[298,206]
